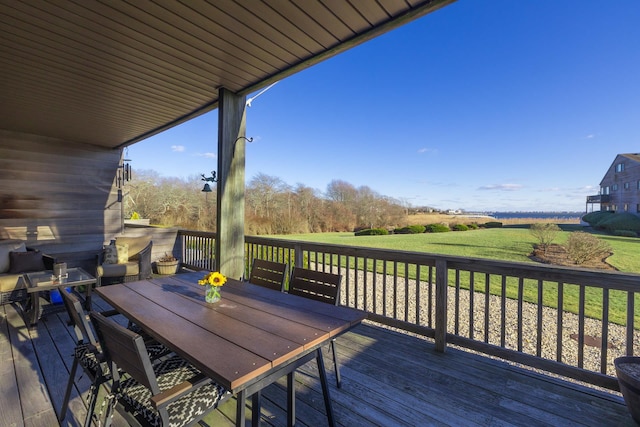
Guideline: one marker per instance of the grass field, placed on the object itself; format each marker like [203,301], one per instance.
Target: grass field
[510,243]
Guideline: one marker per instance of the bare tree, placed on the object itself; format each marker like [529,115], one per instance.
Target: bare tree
[545,233]
[273,207]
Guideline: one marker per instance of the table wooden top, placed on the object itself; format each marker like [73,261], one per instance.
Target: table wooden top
[249,333]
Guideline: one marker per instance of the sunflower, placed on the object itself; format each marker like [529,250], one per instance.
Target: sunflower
[214,278]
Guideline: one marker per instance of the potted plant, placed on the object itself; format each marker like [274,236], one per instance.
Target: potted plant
[628,372]
[167,264]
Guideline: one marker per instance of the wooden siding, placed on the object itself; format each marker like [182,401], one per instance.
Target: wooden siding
[621,196]
[58,196]
[165,240]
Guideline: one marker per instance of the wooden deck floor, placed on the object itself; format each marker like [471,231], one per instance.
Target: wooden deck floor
[389,379]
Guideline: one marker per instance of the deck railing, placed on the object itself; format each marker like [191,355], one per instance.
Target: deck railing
[568,321]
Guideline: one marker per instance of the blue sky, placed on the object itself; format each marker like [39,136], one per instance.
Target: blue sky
[498,105]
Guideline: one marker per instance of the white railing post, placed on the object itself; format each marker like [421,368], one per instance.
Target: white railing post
[442,284]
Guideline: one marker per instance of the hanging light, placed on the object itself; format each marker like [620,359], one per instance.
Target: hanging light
[212,178]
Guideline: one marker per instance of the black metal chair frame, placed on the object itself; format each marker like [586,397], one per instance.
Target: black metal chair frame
[320,286]
[86,354]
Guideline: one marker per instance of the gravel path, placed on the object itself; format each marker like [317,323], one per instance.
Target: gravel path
[570,322]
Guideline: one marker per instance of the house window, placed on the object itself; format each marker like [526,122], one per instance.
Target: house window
[626,207]
[613,208]
[639,184]
[626,185]
[638,208]
[619,167]
[605,190]
[614,187]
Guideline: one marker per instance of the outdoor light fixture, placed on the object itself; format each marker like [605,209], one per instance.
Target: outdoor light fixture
[212,178]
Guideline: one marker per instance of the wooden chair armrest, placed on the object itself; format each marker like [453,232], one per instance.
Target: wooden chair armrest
[175,392]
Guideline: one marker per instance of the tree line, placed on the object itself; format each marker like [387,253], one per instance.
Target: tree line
[271,205]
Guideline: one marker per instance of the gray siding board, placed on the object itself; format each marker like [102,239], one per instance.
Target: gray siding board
[622,196]
[58,196]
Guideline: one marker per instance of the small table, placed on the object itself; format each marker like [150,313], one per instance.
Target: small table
[41,281]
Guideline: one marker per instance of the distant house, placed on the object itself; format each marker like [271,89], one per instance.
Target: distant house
[620,186]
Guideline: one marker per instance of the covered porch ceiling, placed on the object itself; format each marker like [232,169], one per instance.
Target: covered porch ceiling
[111,73]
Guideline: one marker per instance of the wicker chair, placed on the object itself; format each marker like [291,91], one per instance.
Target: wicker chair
[136,267]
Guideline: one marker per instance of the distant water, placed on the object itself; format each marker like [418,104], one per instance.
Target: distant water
[539,215]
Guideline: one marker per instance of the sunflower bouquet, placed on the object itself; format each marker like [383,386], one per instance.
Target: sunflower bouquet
[213,281]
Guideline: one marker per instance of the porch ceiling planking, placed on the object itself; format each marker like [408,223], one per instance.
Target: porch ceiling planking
[113,73]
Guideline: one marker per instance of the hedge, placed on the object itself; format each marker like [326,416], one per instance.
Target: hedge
[372,232]
[459,227]
[437,228]
[410,229]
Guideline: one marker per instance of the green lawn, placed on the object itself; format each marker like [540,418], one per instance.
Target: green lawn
[507,244]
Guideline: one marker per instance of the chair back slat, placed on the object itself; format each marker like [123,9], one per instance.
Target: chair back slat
[81,325]
[126,350]
[269,274]
[316,285]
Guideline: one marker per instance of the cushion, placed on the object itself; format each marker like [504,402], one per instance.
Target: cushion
[123,253]
[186,409]
[24,262]
[116,254]
[136,244]
[7,246]
[118,270]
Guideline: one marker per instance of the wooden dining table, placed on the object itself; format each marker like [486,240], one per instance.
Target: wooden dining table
[249,339]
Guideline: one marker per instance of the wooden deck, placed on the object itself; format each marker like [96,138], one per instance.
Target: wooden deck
[389,379]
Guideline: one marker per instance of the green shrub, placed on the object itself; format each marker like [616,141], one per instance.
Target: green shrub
[437,228]
[625,233]
[493,224]
[372,232]
[473,226]
[595,218]
[583,247]
[410,229]
[620,221]
[459,227]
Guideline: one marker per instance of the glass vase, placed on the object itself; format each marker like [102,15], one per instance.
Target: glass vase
[212,294]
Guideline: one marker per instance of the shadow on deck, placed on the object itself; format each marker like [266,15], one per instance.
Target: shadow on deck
[388,379]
